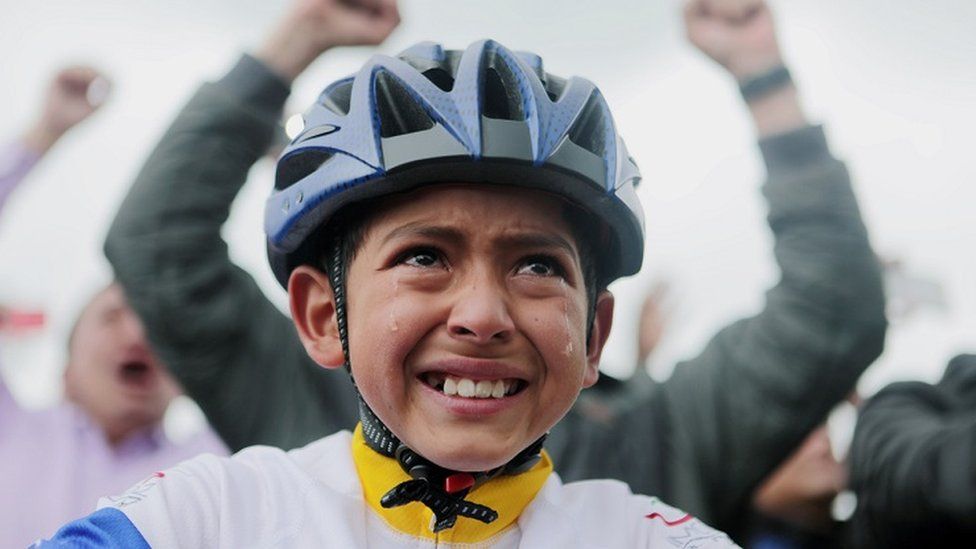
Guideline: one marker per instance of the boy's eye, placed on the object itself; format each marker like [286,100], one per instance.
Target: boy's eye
[540,266]
[423,258]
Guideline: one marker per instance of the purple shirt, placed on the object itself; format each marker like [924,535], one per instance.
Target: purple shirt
[55,464]
[16,160]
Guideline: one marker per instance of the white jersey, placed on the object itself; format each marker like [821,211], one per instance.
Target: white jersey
[312,497]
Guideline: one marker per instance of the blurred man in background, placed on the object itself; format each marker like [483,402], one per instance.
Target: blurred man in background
[107,434]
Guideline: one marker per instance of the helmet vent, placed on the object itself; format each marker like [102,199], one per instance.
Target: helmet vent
[591,127]
[337,97]
[500,97]
[555,87]
[441,78]
[398,110]
[296,167]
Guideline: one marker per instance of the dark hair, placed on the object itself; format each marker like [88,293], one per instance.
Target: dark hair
[348,229]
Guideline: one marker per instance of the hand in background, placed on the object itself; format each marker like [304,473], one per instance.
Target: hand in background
[653,321]
[73,95]
[802,489]
[313,26]
[738,34]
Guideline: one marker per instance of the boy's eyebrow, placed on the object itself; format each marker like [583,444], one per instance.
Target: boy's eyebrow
[537,240]
[416,229]
[521,240]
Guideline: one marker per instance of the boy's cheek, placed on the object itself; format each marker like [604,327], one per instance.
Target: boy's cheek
[388,337]
[558,335]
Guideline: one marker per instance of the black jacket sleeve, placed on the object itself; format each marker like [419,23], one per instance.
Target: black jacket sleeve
[234,352]
[762,383]
[913,462]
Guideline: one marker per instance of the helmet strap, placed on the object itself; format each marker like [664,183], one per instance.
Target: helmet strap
[337,277]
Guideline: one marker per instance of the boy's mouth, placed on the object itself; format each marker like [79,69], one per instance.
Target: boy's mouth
[468,388]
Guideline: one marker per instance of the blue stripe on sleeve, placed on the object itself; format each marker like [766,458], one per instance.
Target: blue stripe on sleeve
[109,528]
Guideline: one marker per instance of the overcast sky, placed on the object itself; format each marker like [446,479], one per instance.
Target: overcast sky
[894,81]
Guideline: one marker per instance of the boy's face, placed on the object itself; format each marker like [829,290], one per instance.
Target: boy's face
[461,289]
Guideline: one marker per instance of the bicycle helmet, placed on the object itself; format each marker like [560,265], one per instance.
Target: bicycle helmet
[430,115]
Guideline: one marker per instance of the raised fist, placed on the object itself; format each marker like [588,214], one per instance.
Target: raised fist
[74,94]
[313,26]
[349,22]
[738,34]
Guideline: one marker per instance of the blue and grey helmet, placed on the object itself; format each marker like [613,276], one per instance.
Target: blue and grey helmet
[429,115]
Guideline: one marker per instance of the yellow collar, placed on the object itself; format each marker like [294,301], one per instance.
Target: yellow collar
[508,495]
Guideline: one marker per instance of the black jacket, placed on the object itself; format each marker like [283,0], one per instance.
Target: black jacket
[913,463]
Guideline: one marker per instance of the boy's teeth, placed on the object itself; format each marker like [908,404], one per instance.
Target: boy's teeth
[466,388]
[450,387]
[498,389]
[469,388]
[483,388]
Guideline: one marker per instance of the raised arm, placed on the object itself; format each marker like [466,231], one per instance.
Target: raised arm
[762,383]
[233,351]
[73,95]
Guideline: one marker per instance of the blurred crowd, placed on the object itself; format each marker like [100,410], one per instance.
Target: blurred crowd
[736,435]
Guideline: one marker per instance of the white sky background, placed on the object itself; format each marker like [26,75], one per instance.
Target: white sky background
[893,80]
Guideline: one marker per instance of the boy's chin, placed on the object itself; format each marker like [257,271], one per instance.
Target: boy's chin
[470,456]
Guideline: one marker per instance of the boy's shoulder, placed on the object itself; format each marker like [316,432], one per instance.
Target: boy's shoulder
[326,460]
[263,490]
[605,513]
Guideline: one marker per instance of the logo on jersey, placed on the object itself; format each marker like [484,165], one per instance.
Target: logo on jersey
[685,531]
[138,492]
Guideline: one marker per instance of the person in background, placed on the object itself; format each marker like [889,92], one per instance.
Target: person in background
[792,507]
[913,463]
[703,440]
[107,433]
[105,436]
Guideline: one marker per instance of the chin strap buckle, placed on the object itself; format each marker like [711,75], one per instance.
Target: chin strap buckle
[457,482]
[441,490]
[446,506]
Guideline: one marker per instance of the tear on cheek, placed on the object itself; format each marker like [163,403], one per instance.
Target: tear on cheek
[569,330]
[393,325]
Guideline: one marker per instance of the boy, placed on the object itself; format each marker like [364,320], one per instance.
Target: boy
[703,439]
[446,225]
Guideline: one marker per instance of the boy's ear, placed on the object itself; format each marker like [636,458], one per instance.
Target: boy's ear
[602,321]
[313,311]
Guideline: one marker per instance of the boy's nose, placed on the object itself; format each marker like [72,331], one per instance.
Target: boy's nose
[481,316]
